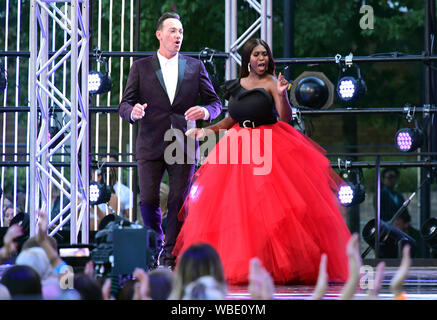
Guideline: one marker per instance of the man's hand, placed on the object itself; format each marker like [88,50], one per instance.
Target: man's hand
[195,113]
[197,133]
[138,111]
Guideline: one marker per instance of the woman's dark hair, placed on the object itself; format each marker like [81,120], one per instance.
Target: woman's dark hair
[22,282]
[197,261]
[127,290]
[88,287]
[165,16]
[247,52]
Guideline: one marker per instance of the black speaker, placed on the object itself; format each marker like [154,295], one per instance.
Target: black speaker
[131,250]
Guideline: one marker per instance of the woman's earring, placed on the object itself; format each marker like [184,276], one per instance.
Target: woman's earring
[248,67]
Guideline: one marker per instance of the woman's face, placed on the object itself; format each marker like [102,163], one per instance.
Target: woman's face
[259,60]
[8,215]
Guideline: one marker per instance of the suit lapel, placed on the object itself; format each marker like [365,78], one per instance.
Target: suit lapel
[158,72]
[181,70]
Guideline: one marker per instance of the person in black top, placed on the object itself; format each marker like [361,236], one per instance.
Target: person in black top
[265,190]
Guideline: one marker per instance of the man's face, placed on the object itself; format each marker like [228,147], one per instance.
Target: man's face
[390,179]
[170,37]
[401,225]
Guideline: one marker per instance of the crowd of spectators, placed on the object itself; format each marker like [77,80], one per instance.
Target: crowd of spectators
[38,272]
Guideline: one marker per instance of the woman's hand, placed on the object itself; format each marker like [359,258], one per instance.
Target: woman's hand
[9,246]
[282,84]
[398,280]
[261,286]
[322,279]
[142,288]
[42,225]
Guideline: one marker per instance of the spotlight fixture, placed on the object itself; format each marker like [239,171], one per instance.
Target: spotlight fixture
[3,78]
[99,193]
[206,55]
[98,82]
[429,232]
[352,192]
[391,239]
[313,90]
[409,139]
[349,88]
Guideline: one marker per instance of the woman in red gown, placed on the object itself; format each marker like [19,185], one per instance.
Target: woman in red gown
[265,190]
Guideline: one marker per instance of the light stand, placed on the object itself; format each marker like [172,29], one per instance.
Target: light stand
[388,228]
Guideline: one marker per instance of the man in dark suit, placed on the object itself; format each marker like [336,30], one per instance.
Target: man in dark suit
[391,199]
[162,92]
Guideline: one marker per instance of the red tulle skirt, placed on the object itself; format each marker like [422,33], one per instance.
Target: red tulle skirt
[267,192]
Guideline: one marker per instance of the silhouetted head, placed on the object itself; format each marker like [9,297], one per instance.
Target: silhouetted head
[160,283]
[22,282]
[88,287]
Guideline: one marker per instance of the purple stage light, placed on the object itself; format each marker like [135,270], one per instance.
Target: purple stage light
[404,141]
[408,140]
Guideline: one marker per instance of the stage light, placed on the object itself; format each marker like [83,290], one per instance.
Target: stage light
[391,239]
[313,90]
[352,192]
[3,78]
[349,88]
[206,55]
[409,139]
[429,232]
[55,127]
[99,193]
[99,82]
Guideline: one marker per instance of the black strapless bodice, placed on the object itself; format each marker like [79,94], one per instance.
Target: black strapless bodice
[251,108]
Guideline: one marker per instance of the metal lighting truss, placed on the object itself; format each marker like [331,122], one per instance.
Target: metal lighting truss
[232,44]
[44,94]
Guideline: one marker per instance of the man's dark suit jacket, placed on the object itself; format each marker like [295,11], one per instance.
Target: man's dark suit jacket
[145,84]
